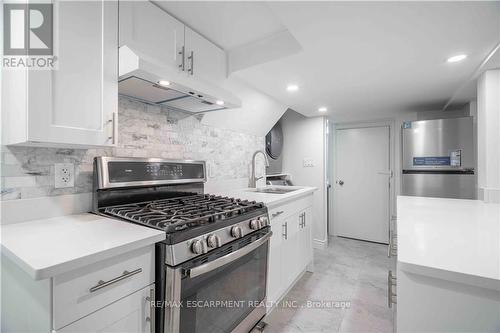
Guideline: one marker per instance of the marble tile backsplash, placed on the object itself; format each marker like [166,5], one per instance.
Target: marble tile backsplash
[144,131]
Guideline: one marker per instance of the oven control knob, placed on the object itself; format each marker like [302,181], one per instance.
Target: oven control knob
[198,247]
[236,232]
[254,224]
[213,241]
[263,221]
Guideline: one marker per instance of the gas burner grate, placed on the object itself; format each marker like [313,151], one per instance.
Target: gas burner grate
[183,212]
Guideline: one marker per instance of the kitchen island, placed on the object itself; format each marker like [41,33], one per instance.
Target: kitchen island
[448,269]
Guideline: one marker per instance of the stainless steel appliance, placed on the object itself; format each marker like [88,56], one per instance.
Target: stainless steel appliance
[211,269]
[439,158]
[147,81]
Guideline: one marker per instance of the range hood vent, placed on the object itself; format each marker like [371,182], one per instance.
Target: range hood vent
[140,79]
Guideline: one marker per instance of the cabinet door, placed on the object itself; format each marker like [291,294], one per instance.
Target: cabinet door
[129,314]
[150,30]
[204,59]
[306,238]
[290,261]
[77,101]
[274,285]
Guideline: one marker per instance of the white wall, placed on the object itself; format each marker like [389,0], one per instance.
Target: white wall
[488,124]
[304,138]
[257,115]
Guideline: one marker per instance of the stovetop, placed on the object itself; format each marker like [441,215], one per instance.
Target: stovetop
[186,212]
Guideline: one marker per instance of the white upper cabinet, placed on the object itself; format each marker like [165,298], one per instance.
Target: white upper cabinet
[146,28]
[204,59]
[76,103]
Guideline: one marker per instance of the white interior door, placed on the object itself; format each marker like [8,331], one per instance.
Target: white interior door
[362,191]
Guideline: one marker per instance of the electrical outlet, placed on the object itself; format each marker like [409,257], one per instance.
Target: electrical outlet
[308,163]
[64,175]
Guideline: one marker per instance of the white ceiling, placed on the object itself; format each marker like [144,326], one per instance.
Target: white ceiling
[228,24]
[362,60]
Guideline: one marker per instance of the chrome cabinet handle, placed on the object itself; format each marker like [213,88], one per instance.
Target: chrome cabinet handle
[151,318]
[392,247]
[182,53]
[285,230]
[126,274]
[191,58]
[277,213]
[391,281]
[303,220]
[389,246]
[114,129]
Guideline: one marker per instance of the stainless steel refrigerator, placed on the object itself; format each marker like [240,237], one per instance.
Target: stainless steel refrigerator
[439,158]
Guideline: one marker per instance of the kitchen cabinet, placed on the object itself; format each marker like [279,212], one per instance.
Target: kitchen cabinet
[75,103]
[111,295]
[274,284]
[164,40]
[448,272]
[430,304]
[131,314]
[290,250]
[146,28]
[204,59]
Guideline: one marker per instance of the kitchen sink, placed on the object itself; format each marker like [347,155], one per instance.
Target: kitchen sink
[273,190]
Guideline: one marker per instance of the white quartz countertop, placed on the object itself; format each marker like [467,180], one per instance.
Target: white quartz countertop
[269,199]
[452,236]
[45,248]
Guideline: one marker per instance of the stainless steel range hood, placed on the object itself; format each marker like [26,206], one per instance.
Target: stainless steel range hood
[146,80]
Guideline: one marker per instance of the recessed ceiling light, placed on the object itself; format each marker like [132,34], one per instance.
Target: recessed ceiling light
[322,109]
[164,83]
[219,102]
[457,58]
[292,87]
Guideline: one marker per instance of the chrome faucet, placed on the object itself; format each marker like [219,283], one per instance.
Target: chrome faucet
[253,180]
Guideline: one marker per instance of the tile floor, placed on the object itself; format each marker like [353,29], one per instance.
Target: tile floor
[351,276]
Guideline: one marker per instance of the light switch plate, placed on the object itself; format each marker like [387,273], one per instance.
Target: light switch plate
[64,175]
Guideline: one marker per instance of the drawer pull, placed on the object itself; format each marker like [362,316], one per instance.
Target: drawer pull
[101,284]
[277,213]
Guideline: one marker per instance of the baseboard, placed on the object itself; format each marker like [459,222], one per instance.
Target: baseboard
[320,244]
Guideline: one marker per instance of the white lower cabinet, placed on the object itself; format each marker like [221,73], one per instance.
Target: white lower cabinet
[431,304]
[129,314]
[290,250]
[112,295]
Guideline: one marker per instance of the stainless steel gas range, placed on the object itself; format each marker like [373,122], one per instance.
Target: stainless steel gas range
[211,269]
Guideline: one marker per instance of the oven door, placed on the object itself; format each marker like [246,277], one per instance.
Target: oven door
[222,291]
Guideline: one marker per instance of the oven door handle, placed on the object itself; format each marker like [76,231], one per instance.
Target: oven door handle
[210,266]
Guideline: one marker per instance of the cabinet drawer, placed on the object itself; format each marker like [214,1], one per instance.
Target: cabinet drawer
[85,290]
[131,314]
[279,212]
